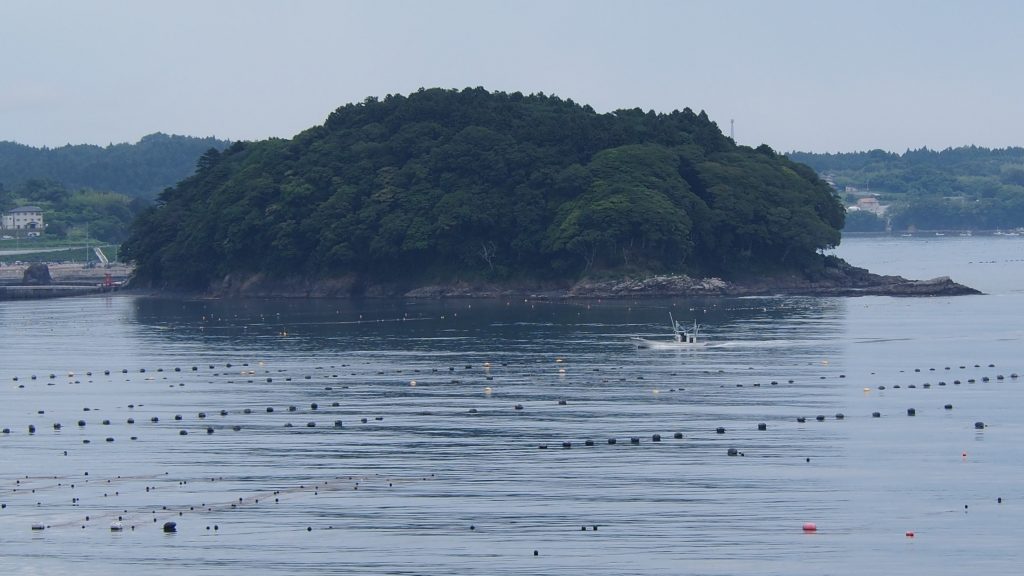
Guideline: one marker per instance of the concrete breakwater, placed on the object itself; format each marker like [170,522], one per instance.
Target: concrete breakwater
[66,280]
[52,291]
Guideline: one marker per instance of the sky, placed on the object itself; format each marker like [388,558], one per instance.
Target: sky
[807,75]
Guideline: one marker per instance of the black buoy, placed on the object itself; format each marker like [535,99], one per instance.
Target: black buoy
[732,452]
[762,426]
[720,430]
[819,418]
[876,414]
[840,415]
[588,443]
[948,406]
[566,445]
[677,435]
[170,527]
[634,440]
[612,440]
[801,419]
[656,438]
[911,412]
[979,425]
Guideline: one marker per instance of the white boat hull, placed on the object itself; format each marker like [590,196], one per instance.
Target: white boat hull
[643,344]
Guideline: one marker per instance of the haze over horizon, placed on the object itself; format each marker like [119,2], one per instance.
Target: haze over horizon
[796,74]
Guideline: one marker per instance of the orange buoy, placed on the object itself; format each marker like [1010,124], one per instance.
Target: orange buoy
[810,527]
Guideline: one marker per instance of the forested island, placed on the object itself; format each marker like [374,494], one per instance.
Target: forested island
[455,188]
[966,188]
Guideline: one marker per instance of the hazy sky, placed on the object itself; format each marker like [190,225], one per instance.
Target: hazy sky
[819,75]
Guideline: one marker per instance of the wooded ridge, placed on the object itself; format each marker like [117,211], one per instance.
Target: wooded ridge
[451,185]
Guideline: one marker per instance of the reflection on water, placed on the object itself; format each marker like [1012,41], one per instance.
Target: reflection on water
[452,437]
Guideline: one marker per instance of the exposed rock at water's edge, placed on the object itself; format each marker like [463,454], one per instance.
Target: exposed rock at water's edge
[36,275]
[843,280]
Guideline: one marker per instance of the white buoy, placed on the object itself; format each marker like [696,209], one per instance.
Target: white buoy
[116,526]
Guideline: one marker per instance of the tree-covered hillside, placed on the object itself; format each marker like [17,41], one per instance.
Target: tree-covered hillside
[968,187]
[105,216]
[141,170]
[443,185]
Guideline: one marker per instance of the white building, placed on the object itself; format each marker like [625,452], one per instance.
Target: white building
[24,218]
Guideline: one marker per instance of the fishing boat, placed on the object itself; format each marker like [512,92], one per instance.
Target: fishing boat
[683,337]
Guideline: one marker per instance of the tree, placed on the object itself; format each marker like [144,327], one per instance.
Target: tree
[445,184]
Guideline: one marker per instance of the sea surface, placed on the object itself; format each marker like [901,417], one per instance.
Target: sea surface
[410,437]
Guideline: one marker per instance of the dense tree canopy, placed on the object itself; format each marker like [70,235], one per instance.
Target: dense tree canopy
[102,215]
[141,170]
[445,184]
[967,187]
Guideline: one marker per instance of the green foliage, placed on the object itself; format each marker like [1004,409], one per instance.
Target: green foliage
[445,184]
[102,215]
[957,188]
[142,169]
[862,221]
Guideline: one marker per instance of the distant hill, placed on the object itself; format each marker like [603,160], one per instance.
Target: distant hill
[140,170]
[449,185]
[957,188]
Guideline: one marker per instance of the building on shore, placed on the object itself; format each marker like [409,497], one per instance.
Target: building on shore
[28,219]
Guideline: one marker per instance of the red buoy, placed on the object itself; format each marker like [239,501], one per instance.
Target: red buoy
[810,527]
[910,534]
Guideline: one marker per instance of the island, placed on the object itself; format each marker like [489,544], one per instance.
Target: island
[470,192]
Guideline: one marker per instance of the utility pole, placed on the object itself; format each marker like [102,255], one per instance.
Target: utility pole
[732,130]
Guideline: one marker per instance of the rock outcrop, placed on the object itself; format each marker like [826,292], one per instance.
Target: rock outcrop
[36,275]
[840,279]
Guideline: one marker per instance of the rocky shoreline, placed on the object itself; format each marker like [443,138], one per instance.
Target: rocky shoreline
[844,280]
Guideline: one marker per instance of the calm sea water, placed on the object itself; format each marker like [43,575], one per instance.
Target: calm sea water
[437,466]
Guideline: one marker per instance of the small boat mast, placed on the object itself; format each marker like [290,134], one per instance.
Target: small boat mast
[683,335]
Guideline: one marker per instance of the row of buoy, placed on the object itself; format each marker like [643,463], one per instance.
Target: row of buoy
[316,488]
[52,376]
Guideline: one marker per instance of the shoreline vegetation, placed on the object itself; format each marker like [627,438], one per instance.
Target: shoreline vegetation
[470,193]
[505,188]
